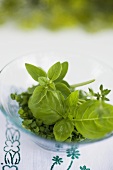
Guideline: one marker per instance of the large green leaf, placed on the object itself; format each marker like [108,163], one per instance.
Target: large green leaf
[49,109]
[35,72]
[63,129]
[94,119]
[54,71]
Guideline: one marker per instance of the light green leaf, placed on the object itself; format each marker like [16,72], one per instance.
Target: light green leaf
[72,99]
[94,119]
[54,71]
[37,96]
[35,72]
[43,81]
[63,71]
[63,129]
[52,86]
[63,89]
[49,109]
[71,104]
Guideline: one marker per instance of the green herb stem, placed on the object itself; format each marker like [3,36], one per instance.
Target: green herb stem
[82,84]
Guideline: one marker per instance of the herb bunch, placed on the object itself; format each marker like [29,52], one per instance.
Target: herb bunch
[54,109]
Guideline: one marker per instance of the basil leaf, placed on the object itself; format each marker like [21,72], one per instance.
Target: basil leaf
[49,109]
[63,89]
[71,104]
[94,119]
[54,71]
[37,96]
[72,99]
[43,81]
[35,72]
[63,71]
[63,129]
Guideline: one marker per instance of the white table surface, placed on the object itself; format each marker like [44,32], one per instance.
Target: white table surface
[16,43]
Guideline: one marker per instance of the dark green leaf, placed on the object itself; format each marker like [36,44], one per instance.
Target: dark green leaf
[106,99]
[63,129]
[54,71]
[66,83]
[106,92]
[101,87]
[31,89]
[94,119]
[91,91]
[63,89]
[49,109]
[63,71]
[82,95]
[35,72]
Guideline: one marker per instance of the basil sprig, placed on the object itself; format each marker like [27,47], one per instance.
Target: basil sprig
[57,110]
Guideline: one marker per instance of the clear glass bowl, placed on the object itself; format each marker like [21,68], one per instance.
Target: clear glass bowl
[14,78]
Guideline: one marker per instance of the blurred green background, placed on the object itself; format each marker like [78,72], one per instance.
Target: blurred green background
[91,15]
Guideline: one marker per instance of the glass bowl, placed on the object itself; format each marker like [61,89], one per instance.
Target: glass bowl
[15,79]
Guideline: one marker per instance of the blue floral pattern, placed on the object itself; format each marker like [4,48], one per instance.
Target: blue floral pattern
[84,168]
[72,153]
[12,152]
[11,149]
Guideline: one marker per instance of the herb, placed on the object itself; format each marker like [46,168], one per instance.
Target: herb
[63,129]
[100,95]
[55,71]
[54,109]
[94,119]
[35,72]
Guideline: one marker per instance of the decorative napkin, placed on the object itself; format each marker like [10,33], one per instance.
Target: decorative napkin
[18,153]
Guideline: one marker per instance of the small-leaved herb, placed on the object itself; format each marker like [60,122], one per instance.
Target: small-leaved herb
[54,109]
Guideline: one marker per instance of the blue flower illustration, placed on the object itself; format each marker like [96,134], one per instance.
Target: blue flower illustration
[12,146]
[11,149]
[73,153]
[7,167]
[57,161]
[84,168]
